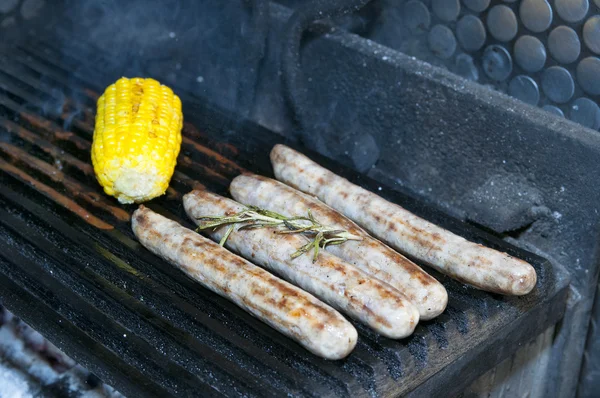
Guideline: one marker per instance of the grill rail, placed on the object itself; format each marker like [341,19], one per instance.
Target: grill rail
[71,268]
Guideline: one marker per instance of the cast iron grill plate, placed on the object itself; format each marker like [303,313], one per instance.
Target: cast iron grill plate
[71,267]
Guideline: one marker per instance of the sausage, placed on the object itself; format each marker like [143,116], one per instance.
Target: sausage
[370,255]
[471,263]
[293,312]
[343,286]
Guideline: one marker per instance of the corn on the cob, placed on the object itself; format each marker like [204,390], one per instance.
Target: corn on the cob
[137,138]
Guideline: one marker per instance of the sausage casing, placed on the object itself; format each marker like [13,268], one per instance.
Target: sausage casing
[469,262]
[293,312]
[370,255]
[343,286]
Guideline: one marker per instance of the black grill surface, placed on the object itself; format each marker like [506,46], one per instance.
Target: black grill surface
[71,267]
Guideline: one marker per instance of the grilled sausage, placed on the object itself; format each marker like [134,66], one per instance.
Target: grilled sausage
[472,263]
[370,255]
[339,284]
[293,312]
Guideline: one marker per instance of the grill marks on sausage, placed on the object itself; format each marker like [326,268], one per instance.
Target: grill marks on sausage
[480,266]
[141,218]
[432,240]
[370,255]
[333,280]
[194,244]
[259,292]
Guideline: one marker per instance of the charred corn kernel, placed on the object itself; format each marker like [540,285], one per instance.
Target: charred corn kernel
[137,138]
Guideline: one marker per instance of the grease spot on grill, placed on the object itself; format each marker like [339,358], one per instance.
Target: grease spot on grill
[365,152]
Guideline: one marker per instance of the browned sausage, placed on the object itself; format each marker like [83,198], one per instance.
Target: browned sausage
[370,255]
[472,263]
[343,286]
[293,312]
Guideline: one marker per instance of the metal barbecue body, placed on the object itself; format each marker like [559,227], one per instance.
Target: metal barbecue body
[73,270]
[143,327]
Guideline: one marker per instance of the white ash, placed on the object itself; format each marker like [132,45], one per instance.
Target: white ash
[13,383]
[31,366]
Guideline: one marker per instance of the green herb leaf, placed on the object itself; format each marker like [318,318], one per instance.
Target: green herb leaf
[253,217]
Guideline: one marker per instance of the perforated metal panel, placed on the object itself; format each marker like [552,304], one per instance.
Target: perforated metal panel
[67,252]
[545,53]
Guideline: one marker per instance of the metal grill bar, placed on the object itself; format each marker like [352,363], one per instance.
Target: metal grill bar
[181,338]
[84,144]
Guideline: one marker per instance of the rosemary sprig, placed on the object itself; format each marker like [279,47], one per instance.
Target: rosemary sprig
[254,217]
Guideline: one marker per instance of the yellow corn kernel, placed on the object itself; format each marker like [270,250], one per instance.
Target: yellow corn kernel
[137,138]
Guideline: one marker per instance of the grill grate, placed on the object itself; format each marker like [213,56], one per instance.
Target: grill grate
[70,266]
